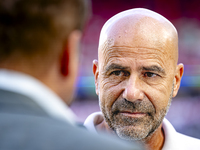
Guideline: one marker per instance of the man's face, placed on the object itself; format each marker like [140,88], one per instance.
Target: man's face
[135,81]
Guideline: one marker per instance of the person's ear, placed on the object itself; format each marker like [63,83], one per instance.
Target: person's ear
[69,56]
[65,62]
[96,75]
[177,78]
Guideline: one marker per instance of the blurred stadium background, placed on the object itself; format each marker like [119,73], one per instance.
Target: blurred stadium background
[184,112]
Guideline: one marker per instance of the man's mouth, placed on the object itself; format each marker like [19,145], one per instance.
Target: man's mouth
[133,114]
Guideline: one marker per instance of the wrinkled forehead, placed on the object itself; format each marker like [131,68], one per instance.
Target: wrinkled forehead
[139,30]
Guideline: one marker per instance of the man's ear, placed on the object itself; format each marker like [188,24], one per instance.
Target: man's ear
[69,56]
[65,62]
[96,75]
[177,78]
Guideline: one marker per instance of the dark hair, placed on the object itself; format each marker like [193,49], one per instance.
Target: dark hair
[36,28]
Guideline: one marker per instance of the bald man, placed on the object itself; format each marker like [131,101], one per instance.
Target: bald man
[136,77]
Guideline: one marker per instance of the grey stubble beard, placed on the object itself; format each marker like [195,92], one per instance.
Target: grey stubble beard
[127,128]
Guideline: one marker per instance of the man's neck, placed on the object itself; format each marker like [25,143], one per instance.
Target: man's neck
[155,141]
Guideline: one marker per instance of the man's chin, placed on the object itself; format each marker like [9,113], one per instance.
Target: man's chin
[132,133]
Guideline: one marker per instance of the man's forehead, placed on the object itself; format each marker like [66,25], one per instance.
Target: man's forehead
[133,57]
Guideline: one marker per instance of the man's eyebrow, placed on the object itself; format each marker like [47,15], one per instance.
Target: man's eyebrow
[154,68]
[115,66]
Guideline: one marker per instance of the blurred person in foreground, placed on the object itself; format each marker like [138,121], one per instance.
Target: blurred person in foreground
[136,76]
[39,46]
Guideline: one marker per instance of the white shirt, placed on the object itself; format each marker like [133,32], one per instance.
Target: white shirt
[173,139]
[26,85]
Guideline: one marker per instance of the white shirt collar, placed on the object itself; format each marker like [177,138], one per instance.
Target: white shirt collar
[37,91]
[91,121]
[170,136]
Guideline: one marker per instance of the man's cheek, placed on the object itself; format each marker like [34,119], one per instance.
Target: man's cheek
[108,95]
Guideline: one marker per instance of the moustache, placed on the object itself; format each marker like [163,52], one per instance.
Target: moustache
[143,106]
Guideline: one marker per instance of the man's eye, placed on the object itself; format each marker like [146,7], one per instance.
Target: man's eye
[150,74]
[116,73]
[119,73]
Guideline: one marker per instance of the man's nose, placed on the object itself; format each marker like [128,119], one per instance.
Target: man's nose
[133,89]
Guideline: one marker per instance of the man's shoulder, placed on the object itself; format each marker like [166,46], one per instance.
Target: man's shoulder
[34,132]
[188,141]
[175,140]
[16,103]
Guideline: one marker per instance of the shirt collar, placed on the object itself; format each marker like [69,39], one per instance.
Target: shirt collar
[38,92]
[171,141]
